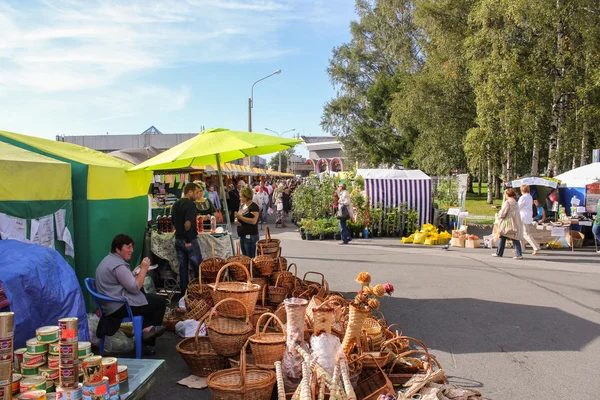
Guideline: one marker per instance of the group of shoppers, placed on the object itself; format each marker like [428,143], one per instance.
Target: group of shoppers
[516,222]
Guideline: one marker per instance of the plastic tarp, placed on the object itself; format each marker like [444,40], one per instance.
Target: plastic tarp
[392,174]
[41,287]
[582,176]
[535,181]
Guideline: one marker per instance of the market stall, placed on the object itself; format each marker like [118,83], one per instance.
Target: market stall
[582,183]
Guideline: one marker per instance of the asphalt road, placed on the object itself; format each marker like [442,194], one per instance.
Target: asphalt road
[512,329]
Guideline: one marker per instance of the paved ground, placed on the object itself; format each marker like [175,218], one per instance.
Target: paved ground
[513,329]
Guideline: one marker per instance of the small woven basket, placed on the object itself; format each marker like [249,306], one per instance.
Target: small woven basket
[277,293]
[246,292]
[370,386]
[199,309]
[236,273]
[269,247]
[323,285]
[267,347]
[264,265]
[287,277]
[210,267]
[172,317]
[200,355]
[228,335]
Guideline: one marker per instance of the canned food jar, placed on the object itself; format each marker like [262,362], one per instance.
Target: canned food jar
[7,324]
[5,393]
[68,353]
[75,393]
[50,386]
[53,362]
[5,373]
[34,359]
[33,346]
[32,383]
[113,392]
[84,349]
[96,391]
[110,369]
[33,395]
[92,370]
[6,349]
[18,358]
[54,349]
[49,373]
[123,373]
[68,329]
[29,371]
[69,376]
[16,383]
[47,334]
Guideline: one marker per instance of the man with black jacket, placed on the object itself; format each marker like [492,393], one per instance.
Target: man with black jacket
[186,233]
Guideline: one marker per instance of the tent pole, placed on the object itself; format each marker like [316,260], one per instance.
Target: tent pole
[224,201]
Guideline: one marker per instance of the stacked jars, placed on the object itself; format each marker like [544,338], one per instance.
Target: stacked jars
[69,388]
[7,325]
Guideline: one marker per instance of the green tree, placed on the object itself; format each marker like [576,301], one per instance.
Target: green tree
[285,156]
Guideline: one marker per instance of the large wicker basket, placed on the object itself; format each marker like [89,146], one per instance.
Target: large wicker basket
[241,383]
[200,355]
[228,335]
[264,265]
[267,347]
[236,273]
[267,246]
[246,292]
[210,267]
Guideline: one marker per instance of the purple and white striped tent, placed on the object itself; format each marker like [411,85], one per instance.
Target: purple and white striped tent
[390,187]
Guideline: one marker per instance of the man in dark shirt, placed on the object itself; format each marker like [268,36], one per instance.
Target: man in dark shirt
[186,233]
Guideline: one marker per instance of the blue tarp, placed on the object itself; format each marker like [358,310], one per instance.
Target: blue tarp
[41,287]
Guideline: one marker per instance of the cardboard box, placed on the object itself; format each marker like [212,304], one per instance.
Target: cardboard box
[458,242]
[473,244]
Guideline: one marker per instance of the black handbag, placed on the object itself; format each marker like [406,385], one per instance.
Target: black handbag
[343,212]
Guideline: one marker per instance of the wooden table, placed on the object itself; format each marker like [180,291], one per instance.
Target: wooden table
[142,375]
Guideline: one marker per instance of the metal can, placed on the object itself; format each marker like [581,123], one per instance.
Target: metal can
[113,392]
[110,369]
[69,376]
[68,353]
[33,346]
[75,393]
[96,391]
[34,359]
[5,373]
[6,349]
[54,349]
[53,362]
[49,373]
[16,383]
[47,334]
[7,324]
[92,370]
[50,386]
[68,330]
[32,383]
[18,358]
[5,392]
[29,371]
[33,395]
[84,349]
[123,373]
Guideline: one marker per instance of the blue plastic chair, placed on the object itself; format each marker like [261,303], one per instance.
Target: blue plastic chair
[137,320]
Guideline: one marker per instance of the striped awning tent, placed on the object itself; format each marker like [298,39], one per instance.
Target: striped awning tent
[390,187]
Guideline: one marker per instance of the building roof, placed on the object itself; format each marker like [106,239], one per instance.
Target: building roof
[152,131]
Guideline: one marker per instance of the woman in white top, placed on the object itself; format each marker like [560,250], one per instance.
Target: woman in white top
[526,211]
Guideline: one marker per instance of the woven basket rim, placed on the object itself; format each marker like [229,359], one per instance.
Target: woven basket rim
[181,347]
[218,329]
[266,379]
[259,338]
[232,287]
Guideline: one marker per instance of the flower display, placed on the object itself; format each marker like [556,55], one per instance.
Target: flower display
[366,298]
[364,278]
[378,290]
[373,303]
[389,288]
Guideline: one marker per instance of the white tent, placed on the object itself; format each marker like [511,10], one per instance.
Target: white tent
[582,176]
[390,187]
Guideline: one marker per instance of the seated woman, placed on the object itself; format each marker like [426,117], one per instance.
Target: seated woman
[115,279]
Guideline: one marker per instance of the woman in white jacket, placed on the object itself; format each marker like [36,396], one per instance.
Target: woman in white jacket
[344,200]
[526,210]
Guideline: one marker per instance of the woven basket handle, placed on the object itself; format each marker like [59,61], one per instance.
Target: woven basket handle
[213,250]
[223,301]
[315,273]
[271,317]
[264,295]
[277,280]
[397,334]
[267,234]
[197,332]
[236,264]
[295,269]
[243,365]
[374,362]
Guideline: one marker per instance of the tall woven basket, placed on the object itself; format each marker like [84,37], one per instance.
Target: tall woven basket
[268,347]
[245,292]
[268,246]
[241,383]
[200,355]
[228,335]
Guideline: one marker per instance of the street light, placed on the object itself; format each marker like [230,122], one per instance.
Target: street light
[251,102]
[280,135]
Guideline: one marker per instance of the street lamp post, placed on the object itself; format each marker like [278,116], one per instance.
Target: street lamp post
[280,135]
[251,102]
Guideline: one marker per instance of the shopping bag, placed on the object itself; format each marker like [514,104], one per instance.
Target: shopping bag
[342,212]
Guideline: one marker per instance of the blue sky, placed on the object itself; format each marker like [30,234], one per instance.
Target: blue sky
[91,67]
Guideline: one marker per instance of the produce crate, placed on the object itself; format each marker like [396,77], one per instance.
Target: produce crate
[473,244]
[458,242]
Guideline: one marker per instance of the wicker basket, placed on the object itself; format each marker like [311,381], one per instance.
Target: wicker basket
[282,264]
[246,292]
[172,318]
[200,355]
[264,265]
[374,334]
[400,377]
[195,291]
[199,309]
[287,277]
[228,335]
[267,347]
[400,344]
[323,285]
[210,267]
[269,247]
[370,386]
[241,383]
[277,293]
[236,273]
[260,309]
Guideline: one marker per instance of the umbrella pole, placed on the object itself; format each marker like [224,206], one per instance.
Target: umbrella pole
[224,201]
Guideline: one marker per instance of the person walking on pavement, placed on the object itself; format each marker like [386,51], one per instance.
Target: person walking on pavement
[344,212]
[510,225]
[261,198]
[526,211]
[186,233]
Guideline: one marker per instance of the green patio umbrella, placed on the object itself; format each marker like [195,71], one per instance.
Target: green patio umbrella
[214,146]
